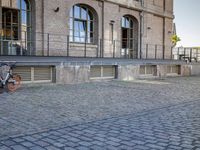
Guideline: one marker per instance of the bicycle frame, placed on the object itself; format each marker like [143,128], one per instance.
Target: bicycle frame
[10,82]
[4,81]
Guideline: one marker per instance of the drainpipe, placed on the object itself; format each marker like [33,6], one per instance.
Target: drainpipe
[102,53]
[1,47]
[141,27]
[141,21]
[42,28]
[164,29]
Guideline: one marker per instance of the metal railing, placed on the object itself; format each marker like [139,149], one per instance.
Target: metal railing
[190,54]
[45,44]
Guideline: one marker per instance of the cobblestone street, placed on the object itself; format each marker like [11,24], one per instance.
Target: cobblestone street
[139,115]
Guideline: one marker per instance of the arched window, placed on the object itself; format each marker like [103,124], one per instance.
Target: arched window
[16,27]
[16,20]
[81,24]
[129,36]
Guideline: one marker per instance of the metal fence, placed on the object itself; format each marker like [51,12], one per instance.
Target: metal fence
[40,44]
[189,54]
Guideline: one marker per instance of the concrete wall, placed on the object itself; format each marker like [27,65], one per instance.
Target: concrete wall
[70,74]
[80,73]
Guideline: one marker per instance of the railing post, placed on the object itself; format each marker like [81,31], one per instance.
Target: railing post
[103,41]
[85,53]
[67,45]
[147,48]
[97,50]
[25,42]
[48,44]
[1,50]
[171,52]
[125,52]
[100,48]
[21,46]
[163,52]
[114,49]
[184,53]
[178,55]
[190,54]
[156,47]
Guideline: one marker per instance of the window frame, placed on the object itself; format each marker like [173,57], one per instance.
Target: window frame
[88,19]
[20,23]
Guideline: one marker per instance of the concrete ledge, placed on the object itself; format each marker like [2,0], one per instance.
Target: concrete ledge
[69,70]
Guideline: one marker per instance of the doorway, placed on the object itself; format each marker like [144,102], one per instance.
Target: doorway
[129,38]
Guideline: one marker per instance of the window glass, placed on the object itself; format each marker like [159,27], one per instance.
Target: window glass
[123,22]
[24,17]
[82,25]
[127,23]
[77,12]
[84,13]
[76,25]
[23,5]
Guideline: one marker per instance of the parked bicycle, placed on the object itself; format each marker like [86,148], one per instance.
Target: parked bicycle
[11,82]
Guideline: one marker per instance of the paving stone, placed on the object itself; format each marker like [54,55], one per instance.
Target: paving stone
[9,142]
[86,144]
[114,139]
[69,148]
[112,143]
[4,148]
[18,140]
[52,148]
[30,138]
[59,145]
[98,143]
[140,147]
[95,147]
[154,146]
[174,147]
[42,143]
[71,144]
[18,147]
[82,148]
[37,148]
[27,144]
[137,142]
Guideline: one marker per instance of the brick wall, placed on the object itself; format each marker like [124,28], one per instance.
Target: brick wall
[46,20]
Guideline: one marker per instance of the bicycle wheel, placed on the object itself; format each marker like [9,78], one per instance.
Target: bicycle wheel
[17,79]
[13,86]
[1,89]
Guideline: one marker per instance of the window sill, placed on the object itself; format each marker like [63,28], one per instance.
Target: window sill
[74,44]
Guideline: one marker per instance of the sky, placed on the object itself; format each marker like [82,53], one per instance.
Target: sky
[187,19]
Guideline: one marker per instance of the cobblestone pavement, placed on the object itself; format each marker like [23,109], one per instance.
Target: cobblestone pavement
[107,115]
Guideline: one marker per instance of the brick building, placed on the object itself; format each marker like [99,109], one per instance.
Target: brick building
[108,27]
[130,29]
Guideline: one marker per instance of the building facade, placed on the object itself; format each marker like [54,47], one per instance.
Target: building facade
[87,28]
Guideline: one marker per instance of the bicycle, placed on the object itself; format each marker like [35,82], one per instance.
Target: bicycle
[11,82]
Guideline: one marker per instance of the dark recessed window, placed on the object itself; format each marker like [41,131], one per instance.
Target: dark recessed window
[16,22]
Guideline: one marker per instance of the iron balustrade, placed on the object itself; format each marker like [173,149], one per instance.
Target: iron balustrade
[46,44]
[189,54]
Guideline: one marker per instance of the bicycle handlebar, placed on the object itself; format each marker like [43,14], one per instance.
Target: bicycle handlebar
[6,64]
